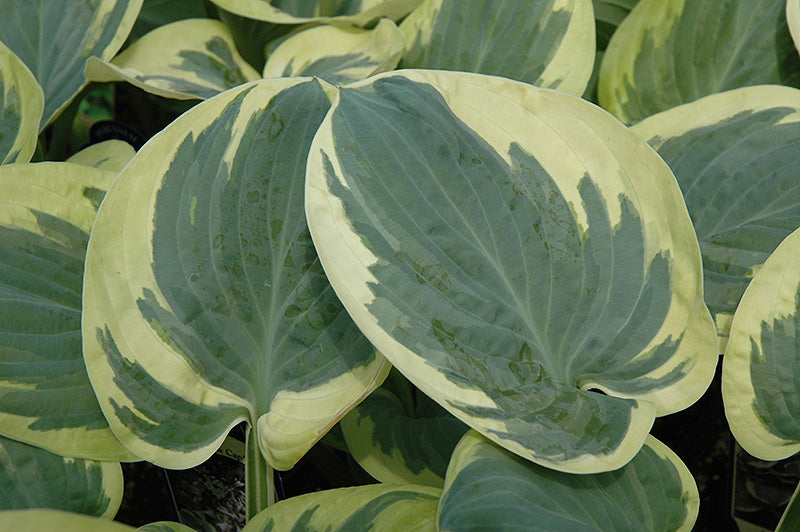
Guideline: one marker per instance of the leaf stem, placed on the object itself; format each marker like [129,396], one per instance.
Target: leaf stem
[259,477]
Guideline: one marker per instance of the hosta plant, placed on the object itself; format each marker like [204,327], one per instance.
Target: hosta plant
[490,286]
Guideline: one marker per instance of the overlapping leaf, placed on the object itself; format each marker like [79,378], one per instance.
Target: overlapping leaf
[734,155]
[670,52]
[542,42]
[21,107]
[510,262]
[338,54]
[655,491]
[54,39]
[608,15]
[402,441]
[384,507]
[194,58]
[47,211]
[31,477]
[39,519]
[111,155]
[761,366]
[205,303]
[358,12]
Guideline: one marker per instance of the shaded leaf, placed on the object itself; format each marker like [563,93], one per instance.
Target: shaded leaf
[400,443]
[34,478]
[111,155]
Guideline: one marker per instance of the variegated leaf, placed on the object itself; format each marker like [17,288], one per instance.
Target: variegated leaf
[67,33]
[734,155]
[402,441]
[670,52]
[379,507]
[488,488]
[21,107]
[513,263]
[31,477]
[111,155]
[357,12]
[549,43]
[338,54]
[205,303]
[761,366]
[194,58]
[46,213]
[41,520]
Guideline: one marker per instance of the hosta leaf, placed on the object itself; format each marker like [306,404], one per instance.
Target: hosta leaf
[735,157]
[608,15]
[30,520]
[793,21]
[358,12]
[508,263]
[165,526]
[54,39]
[21,106]
[655,491]
[111,155]
[400,443]
[384,507]
[193,58]
[549,43]
[669,52]
[31,477]
[760,383]
[205,302]
[338,54]
[46,213]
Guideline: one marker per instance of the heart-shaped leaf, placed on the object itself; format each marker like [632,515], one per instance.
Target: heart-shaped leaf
[45,395]
[761,366]
[338,54]
[21,107]
[510,263]
[205,303]
[655,491]
[68,33]
[670,52]
[734,155]
[535,41]
[193,58]
[31,477]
